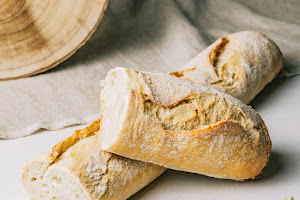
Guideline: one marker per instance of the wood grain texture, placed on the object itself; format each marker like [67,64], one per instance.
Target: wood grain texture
[38,35]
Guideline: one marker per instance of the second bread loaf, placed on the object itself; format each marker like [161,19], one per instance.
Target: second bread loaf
[240,64]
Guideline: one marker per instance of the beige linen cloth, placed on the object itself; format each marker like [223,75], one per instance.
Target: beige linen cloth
[156,36]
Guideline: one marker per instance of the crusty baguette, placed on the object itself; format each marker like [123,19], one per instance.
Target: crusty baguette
[181,125]
[240,64]
[77,168]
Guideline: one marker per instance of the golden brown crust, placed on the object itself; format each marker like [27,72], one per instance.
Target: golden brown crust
[239,158]
[180,125]
[240,64]
[78,135]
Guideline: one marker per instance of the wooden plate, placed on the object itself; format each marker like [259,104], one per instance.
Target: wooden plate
[37,35]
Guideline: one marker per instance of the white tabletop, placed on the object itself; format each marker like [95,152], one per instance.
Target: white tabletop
[279,106]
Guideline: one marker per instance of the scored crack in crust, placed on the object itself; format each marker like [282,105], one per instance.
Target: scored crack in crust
[77,168]
[180,125]
[240,64]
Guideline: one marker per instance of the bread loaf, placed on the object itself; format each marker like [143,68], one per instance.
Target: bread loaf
[77,168]
[180,125]
[240,64]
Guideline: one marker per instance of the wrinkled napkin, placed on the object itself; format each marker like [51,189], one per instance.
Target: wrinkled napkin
[155,36]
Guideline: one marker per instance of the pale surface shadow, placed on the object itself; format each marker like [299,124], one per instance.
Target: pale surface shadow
[287,73]
[268,92]
[275,165]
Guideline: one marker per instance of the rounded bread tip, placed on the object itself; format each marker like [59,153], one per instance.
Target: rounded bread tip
[232,64]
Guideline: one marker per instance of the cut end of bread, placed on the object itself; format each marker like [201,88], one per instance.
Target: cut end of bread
[114,94]
[43,178]
[42,182]
[54,184]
